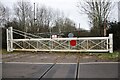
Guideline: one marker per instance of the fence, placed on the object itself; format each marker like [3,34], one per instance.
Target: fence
[84,44]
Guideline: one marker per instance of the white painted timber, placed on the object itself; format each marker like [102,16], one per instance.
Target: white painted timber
[83,44]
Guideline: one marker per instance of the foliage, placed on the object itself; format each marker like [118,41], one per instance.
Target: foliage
[114,28]
[4,41]
[64,25]
[97,12]
[4,14]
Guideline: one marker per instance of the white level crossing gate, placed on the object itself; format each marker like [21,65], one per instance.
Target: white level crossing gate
[84,44]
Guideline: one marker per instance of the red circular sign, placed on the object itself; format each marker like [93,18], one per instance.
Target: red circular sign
[73,42]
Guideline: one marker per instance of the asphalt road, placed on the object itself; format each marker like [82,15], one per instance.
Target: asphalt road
[0,70]
[81,71]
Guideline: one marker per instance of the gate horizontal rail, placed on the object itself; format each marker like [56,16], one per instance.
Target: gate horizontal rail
[88,38]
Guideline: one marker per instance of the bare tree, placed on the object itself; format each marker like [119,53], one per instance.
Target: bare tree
[98,12]
[44,18]
[24,14]
[4,14]
[69,25]
[59,19]
[64,25]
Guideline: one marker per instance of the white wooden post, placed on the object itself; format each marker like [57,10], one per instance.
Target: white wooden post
[8,48]
[111,43]
[11,38]
[9,33]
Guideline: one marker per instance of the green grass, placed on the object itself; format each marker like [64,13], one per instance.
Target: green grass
[109,56]
[4,51]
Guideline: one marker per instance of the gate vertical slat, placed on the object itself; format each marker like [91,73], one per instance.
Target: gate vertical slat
[107,44]
[111,43]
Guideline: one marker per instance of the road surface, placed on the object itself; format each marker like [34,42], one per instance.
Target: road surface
[69,71]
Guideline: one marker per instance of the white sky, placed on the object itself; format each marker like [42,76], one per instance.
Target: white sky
[69,7]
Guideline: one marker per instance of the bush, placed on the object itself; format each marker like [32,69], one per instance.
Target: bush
[115,30]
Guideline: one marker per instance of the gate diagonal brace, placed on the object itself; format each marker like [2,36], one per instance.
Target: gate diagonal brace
[80,44]
[60,44]
[18,45]
[97,44]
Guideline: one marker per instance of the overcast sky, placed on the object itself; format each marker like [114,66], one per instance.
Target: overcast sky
[69,7]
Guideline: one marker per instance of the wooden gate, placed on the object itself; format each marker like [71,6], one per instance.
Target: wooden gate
[83,44]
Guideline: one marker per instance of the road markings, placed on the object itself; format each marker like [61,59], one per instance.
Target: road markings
[100,63]
[26,63]
[35,63]
[66,63]
[60,63]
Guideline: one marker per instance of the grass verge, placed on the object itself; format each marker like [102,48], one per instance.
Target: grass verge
[109,56]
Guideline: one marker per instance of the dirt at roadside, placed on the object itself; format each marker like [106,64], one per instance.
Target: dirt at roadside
[50,57]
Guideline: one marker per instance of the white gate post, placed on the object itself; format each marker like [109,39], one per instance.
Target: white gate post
[8,48]
[9,32]
[111,43]
[11,39]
